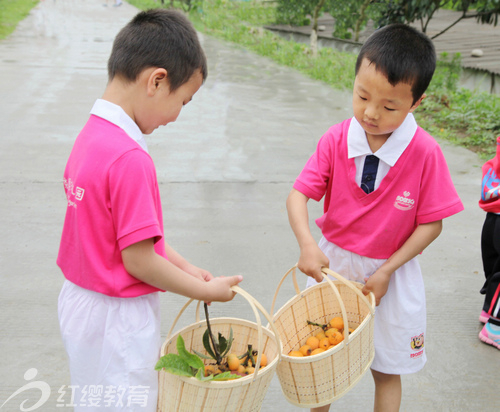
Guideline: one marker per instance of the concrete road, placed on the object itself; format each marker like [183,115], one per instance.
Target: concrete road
[225,169]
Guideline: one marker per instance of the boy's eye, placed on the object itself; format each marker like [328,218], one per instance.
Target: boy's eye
[362,98]
[390,110]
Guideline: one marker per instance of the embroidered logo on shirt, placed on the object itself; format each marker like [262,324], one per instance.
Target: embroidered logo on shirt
[417,344]
[491,186]
[73,192]
[404,202]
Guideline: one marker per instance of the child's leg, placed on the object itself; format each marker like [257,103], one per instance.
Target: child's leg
[490,333]
[387,392]
[325,408]
[490,247]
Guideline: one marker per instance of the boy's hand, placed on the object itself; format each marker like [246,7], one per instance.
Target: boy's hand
[220,288]
[311,260]
[378,283]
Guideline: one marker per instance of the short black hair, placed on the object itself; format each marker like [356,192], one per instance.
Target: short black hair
[403,54]
[158,38]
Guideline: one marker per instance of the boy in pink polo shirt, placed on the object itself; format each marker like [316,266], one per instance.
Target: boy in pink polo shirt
[113,252]
[386,189]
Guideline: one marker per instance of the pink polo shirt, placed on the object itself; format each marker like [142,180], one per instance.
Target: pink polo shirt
[417,189]
[113,202]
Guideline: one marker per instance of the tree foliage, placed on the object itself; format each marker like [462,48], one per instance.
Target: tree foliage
[295,12]
[404,11]
[351,15]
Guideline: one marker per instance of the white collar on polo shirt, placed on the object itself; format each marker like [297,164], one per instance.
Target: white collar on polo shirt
[391,150]
[116,115]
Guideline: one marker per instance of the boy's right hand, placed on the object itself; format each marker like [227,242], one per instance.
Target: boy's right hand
[311,260]
[220,288]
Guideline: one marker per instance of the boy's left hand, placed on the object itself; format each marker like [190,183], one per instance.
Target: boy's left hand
[378,283]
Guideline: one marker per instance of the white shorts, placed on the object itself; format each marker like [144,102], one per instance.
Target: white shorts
[400,319]
[113,345]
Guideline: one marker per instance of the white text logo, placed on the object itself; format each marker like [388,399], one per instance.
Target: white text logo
[404,202]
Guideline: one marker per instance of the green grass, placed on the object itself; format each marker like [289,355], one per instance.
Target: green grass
[12,12]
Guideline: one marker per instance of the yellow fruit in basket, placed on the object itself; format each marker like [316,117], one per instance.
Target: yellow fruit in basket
[249,370]
[210,369]
[317,351]
[233,362]
[324,343]
[296,354]
[263,360]
[330,332]
[305,350]
[337,322]
[313,342]
[350,331]
[335,338]
[320,335]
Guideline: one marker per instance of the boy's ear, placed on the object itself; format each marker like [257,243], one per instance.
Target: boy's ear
[417,103]
[157,80]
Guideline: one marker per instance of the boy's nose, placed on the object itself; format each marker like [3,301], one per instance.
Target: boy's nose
[371,113]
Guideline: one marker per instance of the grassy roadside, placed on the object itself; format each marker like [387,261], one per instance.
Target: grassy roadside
[12,12]
[464,117]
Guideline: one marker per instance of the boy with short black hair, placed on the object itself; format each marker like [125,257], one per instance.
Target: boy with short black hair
[112,252]
[387,188]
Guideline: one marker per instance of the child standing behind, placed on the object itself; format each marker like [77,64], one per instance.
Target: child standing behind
[113,252]
[490,250]
[386,189]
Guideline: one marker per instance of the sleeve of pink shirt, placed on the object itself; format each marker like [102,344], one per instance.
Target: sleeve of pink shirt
[438,196]
[314,177]
[133,199]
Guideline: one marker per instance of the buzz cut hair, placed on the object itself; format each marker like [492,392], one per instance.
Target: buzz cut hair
[157,38]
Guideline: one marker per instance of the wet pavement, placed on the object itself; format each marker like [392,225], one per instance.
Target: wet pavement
[225,169]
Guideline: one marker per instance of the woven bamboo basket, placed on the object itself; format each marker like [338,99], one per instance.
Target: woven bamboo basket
[319,380]
[246,394]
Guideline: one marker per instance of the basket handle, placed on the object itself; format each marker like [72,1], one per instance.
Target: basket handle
[295,284]
[335,291]
[324,272]
[370,305]
[254,304]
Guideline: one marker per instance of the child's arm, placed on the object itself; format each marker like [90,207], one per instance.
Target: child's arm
[142,262]
[312,259]
[182,263]
[422,237]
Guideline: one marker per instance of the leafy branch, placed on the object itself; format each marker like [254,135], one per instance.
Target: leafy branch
[189,364]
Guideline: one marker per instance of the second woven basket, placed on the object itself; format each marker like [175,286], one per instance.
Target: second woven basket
[319,380]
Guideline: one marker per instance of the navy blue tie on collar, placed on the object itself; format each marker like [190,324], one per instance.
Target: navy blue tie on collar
[369,173]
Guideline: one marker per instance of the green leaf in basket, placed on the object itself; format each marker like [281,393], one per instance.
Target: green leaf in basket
[173,363]
[190,358]
[206,344]
[222,344]
[225,376]
[200,375]
[229,344]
